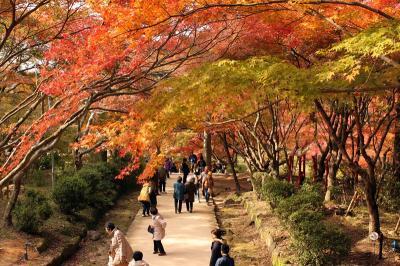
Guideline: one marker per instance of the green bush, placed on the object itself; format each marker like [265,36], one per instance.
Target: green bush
[70,194]
[389,195]
[257,180]
[276,190]
[101,190]
[31,212]
[45,160]
[314,241]
[302,200]
[319,244]
[37,178]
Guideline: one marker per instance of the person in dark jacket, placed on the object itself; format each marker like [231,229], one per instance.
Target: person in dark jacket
[216,245]
[201,163]
[179,194]
[192,161]
[190,191]
[185,170]
[162,178]
[153,194]
[225,260]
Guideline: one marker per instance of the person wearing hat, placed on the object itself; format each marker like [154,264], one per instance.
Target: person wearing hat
[190,191]
[225,260]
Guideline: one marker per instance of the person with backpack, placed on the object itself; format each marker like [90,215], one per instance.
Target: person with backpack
[158,227]
[179,194]
[185,170]
[144,199]
[190,190]
[225,260]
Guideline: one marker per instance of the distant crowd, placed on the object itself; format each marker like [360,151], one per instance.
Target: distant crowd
[196,182]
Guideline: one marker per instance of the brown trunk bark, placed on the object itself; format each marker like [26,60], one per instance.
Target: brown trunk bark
[77,160]
[396,148]
[373,211]
[207,148]
[7,219]
[230,162]
[331,177]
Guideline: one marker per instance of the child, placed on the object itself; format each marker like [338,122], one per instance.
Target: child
[225,260]
[138,259]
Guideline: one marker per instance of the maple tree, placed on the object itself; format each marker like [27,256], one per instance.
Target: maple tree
[112,58]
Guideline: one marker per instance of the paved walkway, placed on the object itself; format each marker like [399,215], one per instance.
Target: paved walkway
[188,238]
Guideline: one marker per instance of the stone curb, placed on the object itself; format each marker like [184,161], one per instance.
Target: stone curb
[250,203]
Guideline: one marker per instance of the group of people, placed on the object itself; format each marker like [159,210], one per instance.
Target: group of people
[186,188]
[121,253]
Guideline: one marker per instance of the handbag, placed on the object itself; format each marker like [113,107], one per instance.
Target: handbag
[150,229]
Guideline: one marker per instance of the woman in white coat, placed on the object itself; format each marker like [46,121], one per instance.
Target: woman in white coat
[120,251]
[158,226]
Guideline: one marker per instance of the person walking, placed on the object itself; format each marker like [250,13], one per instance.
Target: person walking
[179,194]
[153,194]
[120,251]
[216,245]
[162,178]
[192,161]
[225,260]
[158,226]
[208,186]
[144,199]
[168,166]
[197,183]
[138,259]
[185,170]
[201,163]
[190,190]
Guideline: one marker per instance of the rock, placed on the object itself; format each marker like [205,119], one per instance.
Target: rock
[230,201]
[93,235]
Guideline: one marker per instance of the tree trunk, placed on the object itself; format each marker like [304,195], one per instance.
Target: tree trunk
[207,148]
[331,177]
[230,162]
[321,165]
[373,211]
[103,155]
[396,148]
[77,159]
[7,218]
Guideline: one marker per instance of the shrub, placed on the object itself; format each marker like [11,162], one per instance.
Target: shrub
[389,195]
[70,194]
[31,212]
[276,190]
[303,200]
[45,160]
[318,244]
[257,180]
[101,190]
[314,241]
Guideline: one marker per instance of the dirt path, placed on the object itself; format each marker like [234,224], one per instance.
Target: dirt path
[187,240]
